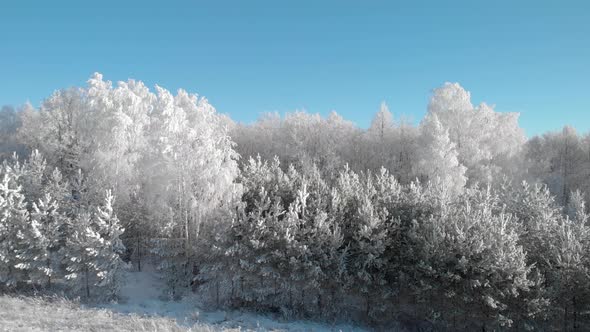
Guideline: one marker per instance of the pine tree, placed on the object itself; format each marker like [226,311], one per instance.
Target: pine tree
[109,264]
[570,265]
[368,261]
[569,274]
[92,251]
[81,254]
[576,208]
[59,189]
[34,177]
[139,227]
[38,255]
[472,262]
[13,219]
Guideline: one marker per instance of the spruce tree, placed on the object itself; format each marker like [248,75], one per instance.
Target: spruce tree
[13,220]
[38,255]
[92,251]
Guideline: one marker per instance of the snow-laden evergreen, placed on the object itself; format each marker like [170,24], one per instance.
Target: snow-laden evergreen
[93,249]
[13,220]
[50,234]
[41,237]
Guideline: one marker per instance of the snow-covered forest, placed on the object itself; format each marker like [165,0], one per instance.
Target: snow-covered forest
[458,222]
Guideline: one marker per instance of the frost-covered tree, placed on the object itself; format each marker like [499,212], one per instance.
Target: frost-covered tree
[561,161]
[37,238]
[80,252]
[192,165]
[38,254]
[368,256]
[13,219]
[259,238]
[382,123]
[473,263]
[439,158]
[570,273]
[93,250]
[115,135]
[380,137]
[303,140]
[109,263]
[537,215]
[487,142]
[121,117]
[576,209]
[57,129]
[34,176]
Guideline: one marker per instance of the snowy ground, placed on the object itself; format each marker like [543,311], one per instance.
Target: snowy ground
[38,314]
[142,295]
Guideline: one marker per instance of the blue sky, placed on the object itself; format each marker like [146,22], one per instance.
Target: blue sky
[249,57]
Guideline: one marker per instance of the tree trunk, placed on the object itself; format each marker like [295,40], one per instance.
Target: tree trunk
[575,312]
[565,317]
[232,290]
[87,282]
[48,265]
[276,292]
[242,287]
[303,297]
[186,231]
[217,293]
[138,253]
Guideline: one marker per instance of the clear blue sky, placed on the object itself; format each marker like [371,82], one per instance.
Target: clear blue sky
[249,57]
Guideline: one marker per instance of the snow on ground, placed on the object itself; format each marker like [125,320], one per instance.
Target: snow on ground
[41,314]
[142,295]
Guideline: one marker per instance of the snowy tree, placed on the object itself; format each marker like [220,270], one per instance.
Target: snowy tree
[34,177]
[368,261]
[537,215]
[93,250]
[109,263]
[439,159]
[471,256]
[38,254]
[380,135]
[13,218]
[360,206]
[570,272]
[303,140]
[486,141]
[576,209]
[406,140]
[559,161]
[382,123]
[81,253]
[57,129]
[192,166]
[121,118]
[263,138]
[252,239]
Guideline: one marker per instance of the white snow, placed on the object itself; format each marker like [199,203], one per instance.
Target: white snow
[142,294]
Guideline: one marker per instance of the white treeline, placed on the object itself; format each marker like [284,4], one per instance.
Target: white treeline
[454,141]
[458,223]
